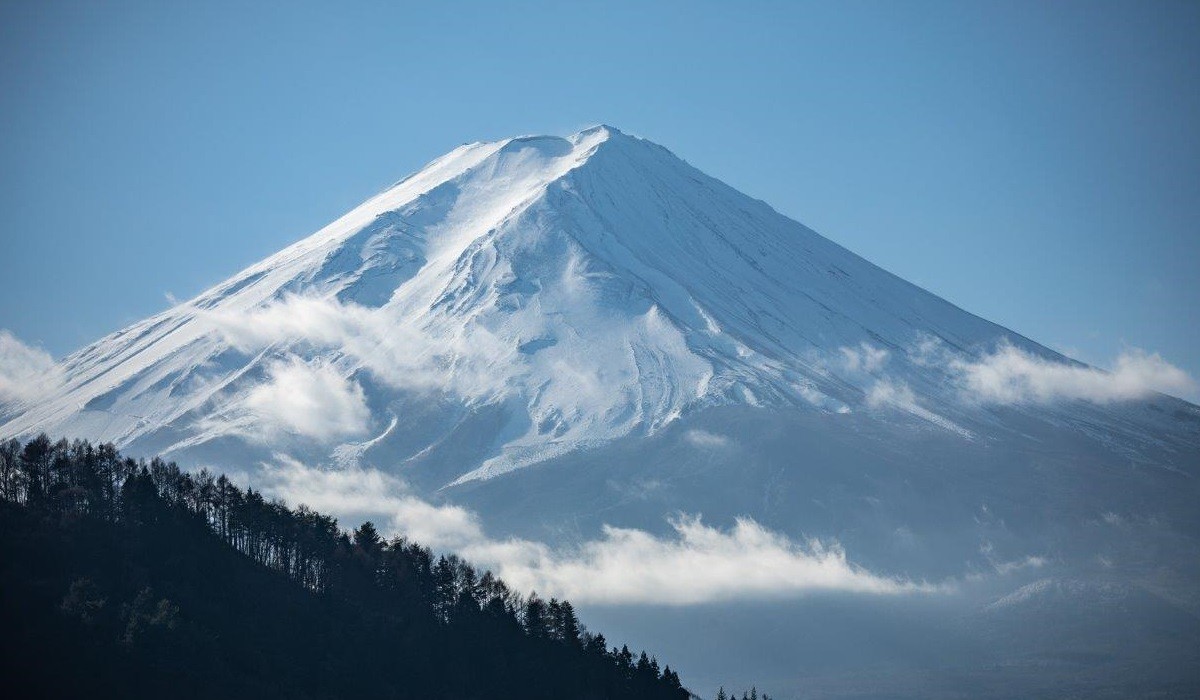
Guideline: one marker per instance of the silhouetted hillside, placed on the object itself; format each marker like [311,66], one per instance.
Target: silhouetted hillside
[126,579]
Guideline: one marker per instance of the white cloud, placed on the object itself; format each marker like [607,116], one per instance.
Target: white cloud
[864,358]
[864,364]
[353,492]
[703,438]
[369,493]
[1012,376]
[1007,567]
[928,351]
[26,372]
[314,401]
[887,392]
[390,345]
[577,368]
[890,393]
[694,564]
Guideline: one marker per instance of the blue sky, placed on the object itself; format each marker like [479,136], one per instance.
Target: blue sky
[1035,163]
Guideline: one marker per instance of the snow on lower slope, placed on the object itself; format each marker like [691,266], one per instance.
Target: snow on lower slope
[574,290]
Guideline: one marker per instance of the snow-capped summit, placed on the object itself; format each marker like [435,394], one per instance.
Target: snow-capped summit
[521,299]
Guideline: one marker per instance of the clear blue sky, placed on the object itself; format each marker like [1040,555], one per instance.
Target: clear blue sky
[1036,163]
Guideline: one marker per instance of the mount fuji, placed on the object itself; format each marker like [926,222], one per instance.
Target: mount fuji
[567,333]
[543,295]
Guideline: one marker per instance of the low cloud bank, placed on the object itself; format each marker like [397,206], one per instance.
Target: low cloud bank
[372,494]
[26,372]
[694,564]
[1012,376]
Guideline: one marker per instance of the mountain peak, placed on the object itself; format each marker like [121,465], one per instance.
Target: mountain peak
[582,144]
[599,129]
[548,293]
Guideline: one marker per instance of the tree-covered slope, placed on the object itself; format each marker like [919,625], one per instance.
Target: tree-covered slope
[126,579]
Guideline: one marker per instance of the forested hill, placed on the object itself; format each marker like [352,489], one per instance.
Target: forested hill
[129,579]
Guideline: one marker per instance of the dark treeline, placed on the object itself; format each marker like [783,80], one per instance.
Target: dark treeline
[751,694]
[121,578]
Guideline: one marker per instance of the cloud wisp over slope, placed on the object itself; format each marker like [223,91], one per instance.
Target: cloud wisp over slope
[1010,375]
[26,372]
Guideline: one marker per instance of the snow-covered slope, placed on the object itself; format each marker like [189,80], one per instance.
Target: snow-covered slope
[518,300]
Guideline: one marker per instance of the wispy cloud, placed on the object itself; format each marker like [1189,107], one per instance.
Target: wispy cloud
[576,373]
[26,372]
[863,358]
[695,563]
[311,400]
[897,394]
[391,346]
[704,438]
[1008,566]
[1011,375]
[889,392]
[369,493]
